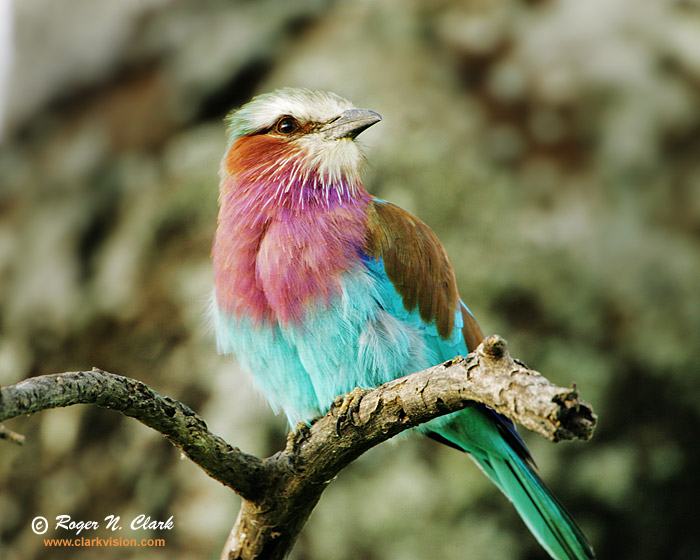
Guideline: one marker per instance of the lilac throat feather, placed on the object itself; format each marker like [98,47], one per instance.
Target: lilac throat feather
[287,229]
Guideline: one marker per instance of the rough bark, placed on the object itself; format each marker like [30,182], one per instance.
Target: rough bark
[280,492]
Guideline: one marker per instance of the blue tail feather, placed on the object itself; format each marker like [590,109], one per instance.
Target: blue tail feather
[541,511]
[513,473]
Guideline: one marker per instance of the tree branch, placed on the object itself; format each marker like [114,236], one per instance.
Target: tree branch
[239,471]
[281,491]
[9,435]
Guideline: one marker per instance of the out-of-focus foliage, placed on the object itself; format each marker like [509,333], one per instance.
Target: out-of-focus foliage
[554,147]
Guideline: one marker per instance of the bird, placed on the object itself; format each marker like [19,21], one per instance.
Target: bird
[321,288]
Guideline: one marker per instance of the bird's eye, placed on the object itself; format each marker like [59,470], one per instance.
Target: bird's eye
[287,125]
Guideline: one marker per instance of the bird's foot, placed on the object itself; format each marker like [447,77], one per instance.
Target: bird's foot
[347,405]
[300,433]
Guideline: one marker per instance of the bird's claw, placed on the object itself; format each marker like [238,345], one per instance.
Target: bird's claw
[347,405]
[300,433]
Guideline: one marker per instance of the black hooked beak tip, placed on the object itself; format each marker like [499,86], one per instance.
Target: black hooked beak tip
[350,123]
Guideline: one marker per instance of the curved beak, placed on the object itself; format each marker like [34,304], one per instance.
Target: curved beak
[350,123]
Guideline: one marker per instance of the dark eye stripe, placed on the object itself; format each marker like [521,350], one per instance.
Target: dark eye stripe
[288,125]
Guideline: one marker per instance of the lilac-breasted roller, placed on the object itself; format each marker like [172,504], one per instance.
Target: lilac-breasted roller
[321,288]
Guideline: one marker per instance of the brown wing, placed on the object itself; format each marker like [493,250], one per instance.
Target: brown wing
[418,267]
[471,331]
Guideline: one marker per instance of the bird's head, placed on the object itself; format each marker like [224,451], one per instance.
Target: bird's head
[299,139]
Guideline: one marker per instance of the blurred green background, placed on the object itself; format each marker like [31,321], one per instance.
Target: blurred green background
[554,146]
